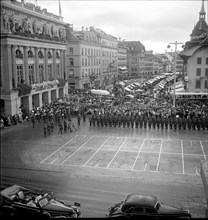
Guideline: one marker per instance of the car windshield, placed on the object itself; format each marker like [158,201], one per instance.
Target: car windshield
[157,206]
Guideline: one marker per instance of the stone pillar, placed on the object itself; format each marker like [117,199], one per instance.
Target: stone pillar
[30,107]
[64,63]
[46,64]
[49,96]
[36,72]
[26,77]
[54,65]
[14,68]
[7,67]
[61,65]
[40,99]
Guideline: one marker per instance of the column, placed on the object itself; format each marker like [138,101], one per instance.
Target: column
[46,64]
[54,65]
[61,65]
[64,63]
[40,99]
[36,72]
[7,67]
[26,77]
[49,96]
[14,69]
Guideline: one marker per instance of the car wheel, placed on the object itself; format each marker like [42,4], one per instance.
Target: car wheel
[8,211]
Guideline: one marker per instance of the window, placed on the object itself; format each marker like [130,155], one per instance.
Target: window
[57,70]
[198,71]
[50,72]
[71,61]
[206,84]
[199,60]
[207,61]
[31,74]
[82,61]
[19,74]
[149,210]
[129,210]
[71,72]
[82,51]
[40,70]
[71,50]
[206,72]
[138,210]
[198,84]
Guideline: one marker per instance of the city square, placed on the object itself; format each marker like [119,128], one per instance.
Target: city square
[104,107]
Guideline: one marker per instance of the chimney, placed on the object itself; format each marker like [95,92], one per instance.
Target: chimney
[82,28]
[86,29]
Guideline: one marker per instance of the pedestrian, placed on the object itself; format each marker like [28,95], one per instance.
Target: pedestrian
[65,126]
[45,129]
[49,128]
[60,128]
[33,121]
[78,118]
[52,125]
[2,123]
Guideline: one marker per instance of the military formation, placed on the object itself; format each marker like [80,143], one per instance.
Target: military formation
[147,120]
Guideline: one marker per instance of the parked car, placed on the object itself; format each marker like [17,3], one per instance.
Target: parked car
[19,201]
[137,205]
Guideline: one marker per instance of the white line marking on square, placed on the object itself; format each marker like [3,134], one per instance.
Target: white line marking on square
[117,152]
[96,152]
[159,156]
[182,156]
[132,168]
[58,149]
[76,150]
[203,150]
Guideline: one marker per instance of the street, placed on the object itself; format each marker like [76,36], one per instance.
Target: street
[100,166]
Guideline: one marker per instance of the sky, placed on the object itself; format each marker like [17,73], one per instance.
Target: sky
[154,23]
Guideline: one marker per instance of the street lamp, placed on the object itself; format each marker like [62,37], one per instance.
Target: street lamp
[175,57]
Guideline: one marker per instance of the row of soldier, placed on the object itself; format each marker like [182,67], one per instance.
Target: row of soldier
[151,121]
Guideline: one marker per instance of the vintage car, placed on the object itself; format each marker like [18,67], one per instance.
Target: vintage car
[143,206]
[20,201]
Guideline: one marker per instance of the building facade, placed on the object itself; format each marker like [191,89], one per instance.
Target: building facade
[122,61]
[33,57]
[92,57]
[134,58]
[195,56]
[83,58]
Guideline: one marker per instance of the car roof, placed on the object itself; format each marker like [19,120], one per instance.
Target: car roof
[133,200]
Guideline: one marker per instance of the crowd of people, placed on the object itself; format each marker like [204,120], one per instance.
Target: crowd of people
[118,109]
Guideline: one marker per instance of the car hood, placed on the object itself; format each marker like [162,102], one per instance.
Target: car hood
[58,206]
[167,210]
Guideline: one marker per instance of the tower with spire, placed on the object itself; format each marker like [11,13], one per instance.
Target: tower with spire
[201,28]
[196,47]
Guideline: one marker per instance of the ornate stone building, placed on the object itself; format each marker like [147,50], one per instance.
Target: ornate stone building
[33,56]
